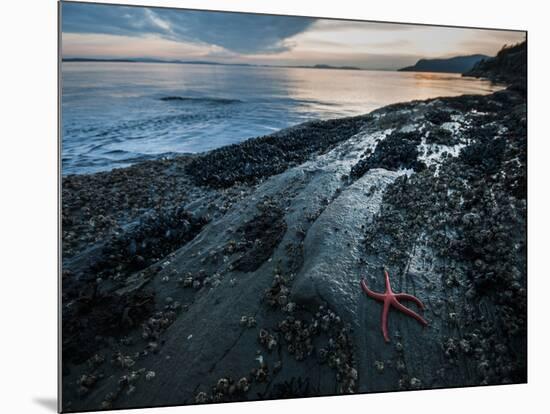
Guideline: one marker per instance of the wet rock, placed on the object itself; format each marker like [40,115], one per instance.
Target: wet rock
[397,151]
[101,314]
[438,117]
[440,136]
[201,398]
[260,236]
[265,156]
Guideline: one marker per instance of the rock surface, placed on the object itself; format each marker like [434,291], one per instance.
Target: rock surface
[247,281]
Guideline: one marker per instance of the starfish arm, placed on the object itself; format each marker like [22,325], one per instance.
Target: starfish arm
[372,294]
[409,312]
[385,320]
[406,296]
[388,284]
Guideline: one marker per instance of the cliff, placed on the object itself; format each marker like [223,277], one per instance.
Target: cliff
[508,66]
[458,64]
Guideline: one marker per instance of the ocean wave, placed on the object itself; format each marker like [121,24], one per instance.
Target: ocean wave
[106,160]
[135,129]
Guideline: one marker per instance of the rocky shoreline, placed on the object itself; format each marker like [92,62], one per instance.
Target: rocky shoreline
[266,242]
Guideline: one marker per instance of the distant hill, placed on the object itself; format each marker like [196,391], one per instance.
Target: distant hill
[323,66]
[458,64]
[96,60]
[508,66]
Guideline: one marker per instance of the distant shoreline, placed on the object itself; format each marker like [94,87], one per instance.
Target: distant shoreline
[182,62]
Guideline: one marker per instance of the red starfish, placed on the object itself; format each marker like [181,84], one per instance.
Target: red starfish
[392,299]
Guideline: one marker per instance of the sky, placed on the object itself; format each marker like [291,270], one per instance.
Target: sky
[106,31]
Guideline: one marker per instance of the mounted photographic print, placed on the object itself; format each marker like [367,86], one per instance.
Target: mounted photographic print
[258,207]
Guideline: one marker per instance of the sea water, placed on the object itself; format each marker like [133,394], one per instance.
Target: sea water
[116,114]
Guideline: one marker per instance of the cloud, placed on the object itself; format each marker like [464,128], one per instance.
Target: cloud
[242,33]
[490,42]
[96,30]
[120,46]
[331,25]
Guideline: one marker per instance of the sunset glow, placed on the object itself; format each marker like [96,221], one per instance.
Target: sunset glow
[97,31]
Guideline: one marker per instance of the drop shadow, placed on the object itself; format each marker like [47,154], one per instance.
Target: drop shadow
[48,403]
